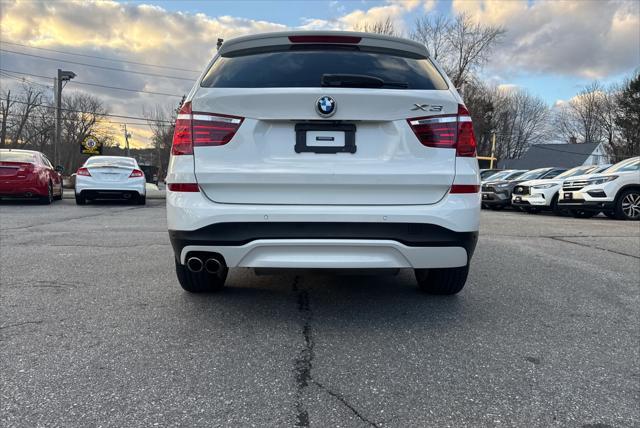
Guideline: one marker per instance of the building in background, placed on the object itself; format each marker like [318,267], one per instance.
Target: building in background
[559,155]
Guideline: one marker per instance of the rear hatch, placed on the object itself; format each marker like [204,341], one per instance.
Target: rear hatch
[320,124]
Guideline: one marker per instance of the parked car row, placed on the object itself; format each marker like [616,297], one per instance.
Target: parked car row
[29,174]
[583,191]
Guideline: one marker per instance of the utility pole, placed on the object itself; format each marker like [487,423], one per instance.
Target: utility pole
[63,76]
[493,149]
[126,138]
[57,91]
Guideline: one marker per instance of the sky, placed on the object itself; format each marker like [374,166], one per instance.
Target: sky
[551,48]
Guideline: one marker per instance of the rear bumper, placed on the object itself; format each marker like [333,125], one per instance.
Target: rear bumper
[94,187]
[281,236]
[329,245]
[21,191]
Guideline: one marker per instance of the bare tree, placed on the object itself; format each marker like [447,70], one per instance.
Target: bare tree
[5,109]
[525,119]
[581,117]
[461,45]
[432,31]
[161,120]
[386,27]
[82,115]
[518,119]
[30,100]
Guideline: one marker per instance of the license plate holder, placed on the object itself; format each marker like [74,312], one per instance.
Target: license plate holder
[330,130]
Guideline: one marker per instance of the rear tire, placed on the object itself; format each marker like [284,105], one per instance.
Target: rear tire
[48,199]
[59,197]
[584,214]
[200,282]
[142,200]
[445,281]
[496,207]
[80,199]
[628,205]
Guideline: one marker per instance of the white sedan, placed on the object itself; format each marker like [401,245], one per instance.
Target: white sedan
[110,177]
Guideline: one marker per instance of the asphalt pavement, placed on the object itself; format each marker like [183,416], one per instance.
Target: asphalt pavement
[95,331]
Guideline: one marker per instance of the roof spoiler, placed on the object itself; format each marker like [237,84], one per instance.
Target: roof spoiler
[322,37]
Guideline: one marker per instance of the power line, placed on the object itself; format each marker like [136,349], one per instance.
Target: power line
[22,79]
[102,58]
[101,120]
[98,114]
[95,84]
[98,66]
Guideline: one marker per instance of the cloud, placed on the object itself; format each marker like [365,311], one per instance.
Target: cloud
[394,10]
[134,32]
[589,39]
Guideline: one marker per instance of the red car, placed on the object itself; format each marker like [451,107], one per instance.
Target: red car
[29,174]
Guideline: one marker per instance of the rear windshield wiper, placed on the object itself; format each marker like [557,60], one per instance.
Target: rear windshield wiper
[358,81]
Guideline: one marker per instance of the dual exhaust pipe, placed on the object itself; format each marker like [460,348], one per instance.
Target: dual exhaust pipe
[210,265]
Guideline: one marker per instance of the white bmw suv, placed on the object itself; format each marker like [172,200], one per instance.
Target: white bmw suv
[323,150]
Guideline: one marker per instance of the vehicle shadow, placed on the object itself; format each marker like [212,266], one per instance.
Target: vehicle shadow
[335,301]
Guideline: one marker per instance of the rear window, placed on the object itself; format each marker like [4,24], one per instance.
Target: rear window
[16,157]
[302,66]
[115,161]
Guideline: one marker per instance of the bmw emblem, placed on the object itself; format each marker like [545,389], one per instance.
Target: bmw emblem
[326,106]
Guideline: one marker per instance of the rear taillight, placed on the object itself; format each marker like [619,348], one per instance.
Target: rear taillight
[447,131]
[183,187]
[136,173]
[182,144]
[83,171]
[202,129]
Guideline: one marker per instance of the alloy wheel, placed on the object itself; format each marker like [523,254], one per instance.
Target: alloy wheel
[631,205]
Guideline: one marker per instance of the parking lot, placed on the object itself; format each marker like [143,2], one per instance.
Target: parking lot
[95,331]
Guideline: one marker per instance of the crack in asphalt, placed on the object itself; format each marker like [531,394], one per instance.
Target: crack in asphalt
[70,219]
[20,323]
[304,363]
[559,238]
[341,399]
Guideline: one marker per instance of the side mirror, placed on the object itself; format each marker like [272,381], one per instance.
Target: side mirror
[59,169]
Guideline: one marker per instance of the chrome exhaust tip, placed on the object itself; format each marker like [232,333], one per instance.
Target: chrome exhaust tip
[194,264]
[213,266]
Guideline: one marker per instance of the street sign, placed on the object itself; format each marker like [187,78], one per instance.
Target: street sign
[91,146]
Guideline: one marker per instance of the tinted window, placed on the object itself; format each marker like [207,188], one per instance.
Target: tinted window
[513,174]
[16,157]
[106,160]
[303,67]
